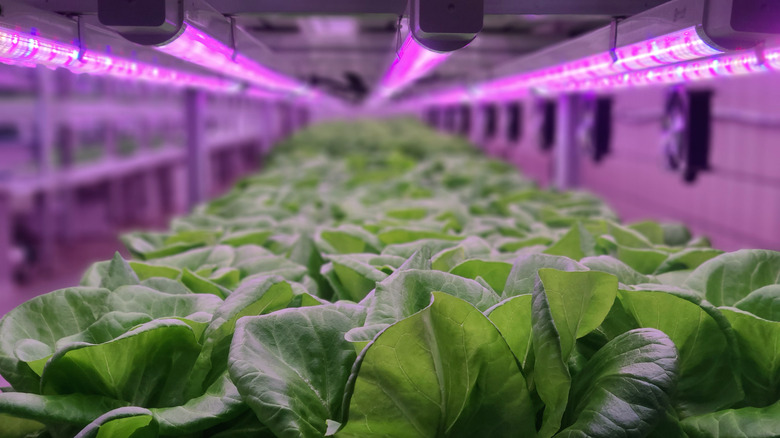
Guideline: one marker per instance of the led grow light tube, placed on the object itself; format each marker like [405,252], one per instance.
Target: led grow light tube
[736,64]
[673,48]
[630,62]
[412,62]
[27,50]
[197,47]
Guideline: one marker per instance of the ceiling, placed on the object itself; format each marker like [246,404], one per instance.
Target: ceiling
[347,55]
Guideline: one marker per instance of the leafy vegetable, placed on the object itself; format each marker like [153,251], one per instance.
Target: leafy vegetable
[445,371]
[380,279]
[624,388]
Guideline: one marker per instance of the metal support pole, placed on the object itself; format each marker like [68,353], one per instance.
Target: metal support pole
[152,210]
[6,242]
[165,187]
[237,165]
[197,155]
[270,115]
[264,128]
[150,192]
[66,144]
[45,209]
[67,194]
[47,83]
[145,136]
[567,167]
[457,121]
[477,134]
[111,140]
[44,121]
[116,189]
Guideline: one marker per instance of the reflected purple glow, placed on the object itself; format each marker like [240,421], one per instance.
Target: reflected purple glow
[25,50]
[201,49]
[673,48]
[413,62]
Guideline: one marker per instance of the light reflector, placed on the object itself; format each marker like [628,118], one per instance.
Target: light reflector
[27,50]
[201,49]
[412,63]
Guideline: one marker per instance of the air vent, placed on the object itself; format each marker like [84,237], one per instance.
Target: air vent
[491,121]
[686,125]
[546,117]
[594,131]
[515,126]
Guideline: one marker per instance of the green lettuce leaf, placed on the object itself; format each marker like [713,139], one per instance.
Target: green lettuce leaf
[625,387]
[566,306]
[759,346]
[445,371]
[763,302]
[522,277]
[706,345]
[493,272]
[292,366]
[744,422]
[147,366]
[728,278]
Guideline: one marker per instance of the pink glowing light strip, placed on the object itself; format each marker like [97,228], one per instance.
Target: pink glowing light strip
[26,50]
[736,64]
[412,63]
[673,48]
[199,48]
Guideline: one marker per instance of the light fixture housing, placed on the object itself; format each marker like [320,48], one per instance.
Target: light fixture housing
[732,64]
[445,25]
[197,47]
[28,50]
[186,30]
[683,45]
[740,24]
[144,22]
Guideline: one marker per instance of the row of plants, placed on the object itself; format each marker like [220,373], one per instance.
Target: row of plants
[378,279]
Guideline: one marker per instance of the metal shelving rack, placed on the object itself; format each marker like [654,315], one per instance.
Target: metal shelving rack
[185,146]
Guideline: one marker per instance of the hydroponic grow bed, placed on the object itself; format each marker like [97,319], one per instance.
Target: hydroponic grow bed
[378,279]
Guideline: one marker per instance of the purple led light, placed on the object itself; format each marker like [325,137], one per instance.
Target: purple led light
[736,64]
[27,50]
[199,48]
[673,48]
[413,61]
[668,49]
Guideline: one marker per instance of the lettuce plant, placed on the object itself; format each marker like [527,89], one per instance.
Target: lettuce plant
[381,280]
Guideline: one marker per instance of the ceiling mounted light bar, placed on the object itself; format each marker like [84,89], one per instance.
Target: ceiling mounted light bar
[742,63]
[195,32]
[28,50]
[623,8]
[684,45]
[197,47]
[412,63]
[670,49]
[734,64]
[694,30]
